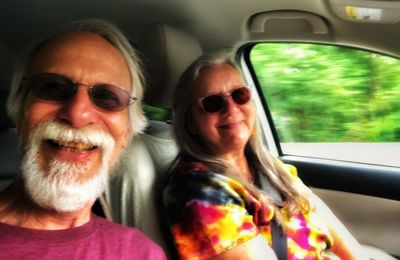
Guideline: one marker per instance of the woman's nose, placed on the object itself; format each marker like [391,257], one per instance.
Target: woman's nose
[230,105]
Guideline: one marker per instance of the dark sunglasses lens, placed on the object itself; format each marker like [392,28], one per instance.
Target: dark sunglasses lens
[52,87]
[109,97]
[212,103]
[241,95]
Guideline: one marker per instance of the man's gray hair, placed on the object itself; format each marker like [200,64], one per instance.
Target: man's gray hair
[16,103]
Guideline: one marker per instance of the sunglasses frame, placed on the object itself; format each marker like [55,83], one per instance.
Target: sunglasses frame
[74,85]
[224,96]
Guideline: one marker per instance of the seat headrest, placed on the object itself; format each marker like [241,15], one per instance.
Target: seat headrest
[167,53]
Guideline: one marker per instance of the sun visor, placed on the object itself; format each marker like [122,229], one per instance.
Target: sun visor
[287,24]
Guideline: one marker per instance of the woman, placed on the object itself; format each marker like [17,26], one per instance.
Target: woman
[213,198]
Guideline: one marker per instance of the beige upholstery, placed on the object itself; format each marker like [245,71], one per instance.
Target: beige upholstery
[130,199]
[132,196]
[375,253]
[167,53]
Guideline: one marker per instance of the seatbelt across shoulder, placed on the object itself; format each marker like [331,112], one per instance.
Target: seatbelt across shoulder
[279,239]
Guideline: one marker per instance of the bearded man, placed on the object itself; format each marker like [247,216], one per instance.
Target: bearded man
[76,102]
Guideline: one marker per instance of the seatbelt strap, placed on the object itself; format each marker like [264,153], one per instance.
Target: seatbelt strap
[279,239]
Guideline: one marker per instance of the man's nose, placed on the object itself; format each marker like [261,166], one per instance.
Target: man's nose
[79,111]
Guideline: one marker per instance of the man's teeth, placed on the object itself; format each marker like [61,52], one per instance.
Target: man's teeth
[74,145]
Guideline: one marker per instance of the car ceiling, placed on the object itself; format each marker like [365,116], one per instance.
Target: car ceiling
[215,23]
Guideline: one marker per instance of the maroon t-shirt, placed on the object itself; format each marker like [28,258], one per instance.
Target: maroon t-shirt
[98,239]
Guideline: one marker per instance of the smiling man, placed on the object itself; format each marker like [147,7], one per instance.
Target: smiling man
[76,102]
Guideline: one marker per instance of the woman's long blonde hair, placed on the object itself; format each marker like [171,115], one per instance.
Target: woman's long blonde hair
[259,158]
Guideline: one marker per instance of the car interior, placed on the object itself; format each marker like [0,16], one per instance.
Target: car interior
[170,35]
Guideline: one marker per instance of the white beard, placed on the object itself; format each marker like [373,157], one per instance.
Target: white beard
[60,188]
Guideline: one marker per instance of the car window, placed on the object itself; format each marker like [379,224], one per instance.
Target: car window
[157,113]
[329,101]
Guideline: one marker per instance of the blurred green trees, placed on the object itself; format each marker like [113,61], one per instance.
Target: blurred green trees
[322,93]
[157,113]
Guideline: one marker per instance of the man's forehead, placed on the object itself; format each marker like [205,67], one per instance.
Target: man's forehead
[69,51]
[71,38]
[78,42]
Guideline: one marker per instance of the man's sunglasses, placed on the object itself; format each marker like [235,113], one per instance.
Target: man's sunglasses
[57,88]
[215,103]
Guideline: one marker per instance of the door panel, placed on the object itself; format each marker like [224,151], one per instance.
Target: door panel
[373,221]
[365,198]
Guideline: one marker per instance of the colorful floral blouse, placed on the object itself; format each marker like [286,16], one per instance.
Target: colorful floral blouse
[209,213]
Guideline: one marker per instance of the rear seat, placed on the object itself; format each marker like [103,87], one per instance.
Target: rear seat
[132,196]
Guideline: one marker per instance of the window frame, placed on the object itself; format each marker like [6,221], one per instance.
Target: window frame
[272,136]
[325,173]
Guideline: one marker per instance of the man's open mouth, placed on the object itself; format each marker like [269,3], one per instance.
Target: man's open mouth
[71,146]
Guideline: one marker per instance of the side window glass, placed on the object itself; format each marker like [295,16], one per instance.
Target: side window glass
[157,113]
[330,101]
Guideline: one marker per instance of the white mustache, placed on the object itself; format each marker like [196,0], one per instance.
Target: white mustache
[64,134]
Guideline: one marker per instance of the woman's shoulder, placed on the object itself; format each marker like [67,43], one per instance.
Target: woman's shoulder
[196,181]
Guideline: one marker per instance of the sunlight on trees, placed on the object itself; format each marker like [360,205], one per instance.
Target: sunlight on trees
[322,93]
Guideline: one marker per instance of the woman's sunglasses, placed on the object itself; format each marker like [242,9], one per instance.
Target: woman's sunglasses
[57,88]
[215,103]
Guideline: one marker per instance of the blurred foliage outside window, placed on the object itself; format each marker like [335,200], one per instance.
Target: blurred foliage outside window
[323,93]
[157,113]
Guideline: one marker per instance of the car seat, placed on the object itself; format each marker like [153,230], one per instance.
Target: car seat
[132,196]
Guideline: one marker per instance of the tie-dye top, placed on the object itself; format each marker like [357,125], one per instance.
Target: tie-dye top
[209,213]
